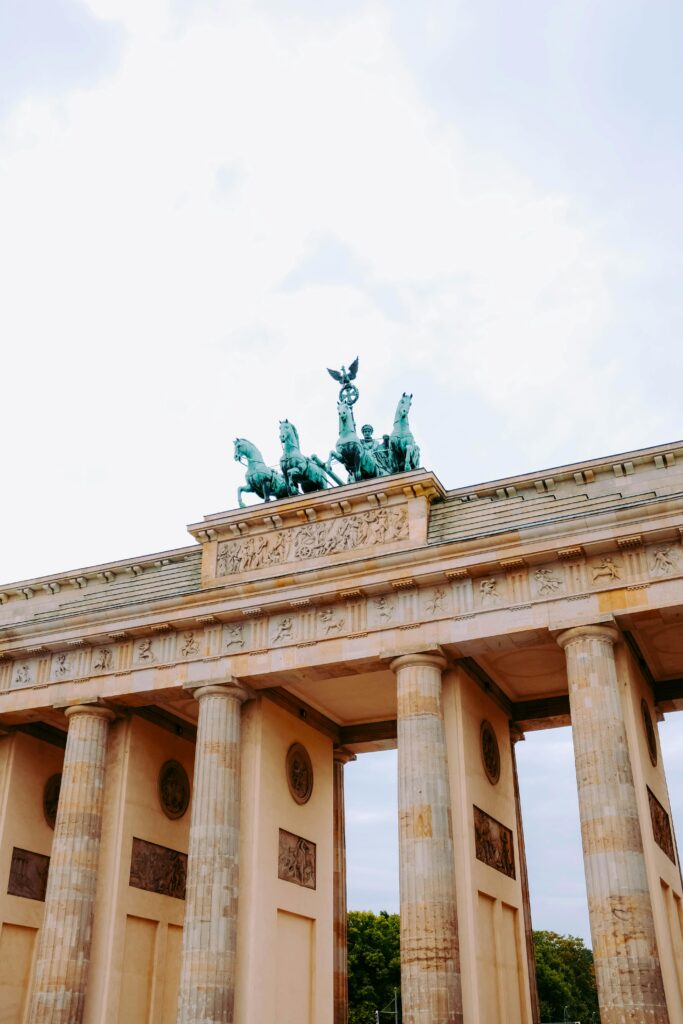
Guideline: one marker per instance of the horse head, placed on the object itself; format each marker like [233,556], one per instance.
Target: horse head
[345,413]
[404,403]
[288,433]
[246,450]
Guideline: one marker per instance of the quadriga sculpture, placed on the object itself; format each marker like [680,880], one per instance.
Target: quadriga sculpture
[300,470]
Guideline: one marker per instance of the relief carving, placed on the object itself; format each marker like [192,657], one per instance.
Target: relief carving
[378,526]
[174,789]
[24,676]
[488,591]
[606,569]
[299,773]
[490,753]
[546,582]
[145,652]
[103,659]
[234,636]
[296,860]
[650,736]
[158,869]
[28,874]
[435,602]
[62,665]
[332,621]
[385,609]
[493,843]
[284,630]
[661,826]
[663,563]
[190,645]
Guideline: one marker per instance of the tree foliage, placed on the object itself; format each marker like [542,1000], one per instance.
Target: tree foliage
[374,963]
[564,970]
[565,976]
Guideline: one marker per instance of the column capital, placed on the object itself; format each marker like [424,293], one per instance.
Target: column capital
[429,658]
[593,632]
[342,755]
[95,710]
[232,688]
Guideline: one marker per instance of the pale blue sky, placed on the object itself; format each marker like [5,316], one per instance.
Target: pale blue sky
[203,205]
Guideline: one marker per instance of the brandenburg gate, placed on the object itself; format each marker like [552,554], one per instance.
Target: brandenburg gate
[174,730]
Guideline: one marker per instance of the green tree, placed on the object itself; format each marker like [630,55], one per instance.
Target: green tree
[374,963]
[565,976]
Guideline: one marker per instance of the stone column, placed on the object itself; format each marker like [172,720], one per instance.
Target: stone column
[629,978]
[341,972]
[430,955]
[63,954]
[207,978]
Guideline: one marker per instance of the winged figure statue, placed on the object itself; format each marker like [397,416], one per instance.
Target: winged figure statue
[349,391]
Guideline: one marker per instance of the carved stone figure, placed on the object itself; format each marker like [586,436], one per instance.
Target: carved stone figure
[546,582]
[299,771]
[145,652]
[267,483]
[332,621]
[296,860]
[606,569]
[385,608]
[234,635]
[284,630]
[493,843]
[103,659]
[190,645]
[62,665]
[23,676]
[489,592]
[663,563]
[435,602]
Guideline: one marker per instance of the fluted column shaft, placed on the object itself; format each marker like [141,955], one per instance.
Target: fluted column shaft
[628,974]
[63,954]
[341,970]
[207,980]
[430,955]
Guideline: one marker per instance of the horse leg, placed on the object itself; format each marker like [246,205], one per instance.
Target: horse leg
[240,492]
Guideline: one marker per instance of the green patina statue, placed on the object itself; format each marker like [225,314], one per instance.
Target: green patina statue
[299,470]
[364,458]
[359,458]
[261,479]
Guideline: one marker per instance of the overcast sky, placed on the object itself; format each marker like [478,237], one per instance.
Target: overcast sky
[204,204]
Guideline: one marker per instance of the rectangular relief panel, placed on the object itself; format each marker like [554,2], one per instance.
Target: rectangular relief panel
[661,826]
[295,981]
[158,869]
[28,874]
[493,843]
[16,960]
[137,976]
[296,860]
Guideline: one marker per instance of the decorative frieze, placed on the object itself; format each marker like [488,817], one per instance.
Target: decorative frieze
[314,540]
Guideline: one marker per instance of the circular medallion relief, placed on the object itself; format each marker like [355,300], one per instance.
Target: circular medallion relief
[490,754]
[51,799]
[649,732]
[174,789]
[299,773]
